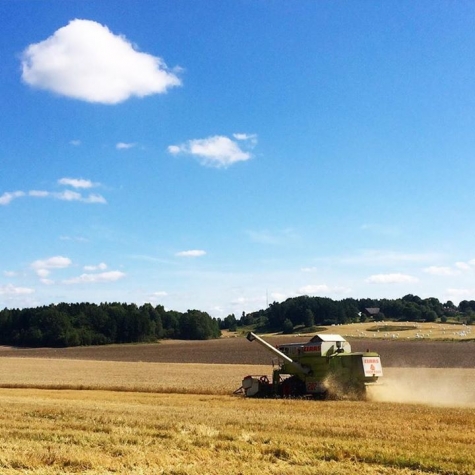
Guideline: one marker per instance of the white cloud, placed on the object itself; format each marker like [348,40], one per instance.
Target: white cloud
[161,293]
[8,196]
[10,289]
[77,182]
[66,195]
[391,279]
[216,151]
[124,145]
[251,137]
[43,273]
[440,270]
[463,266]
[56,262]
[75,143]
[39,193]
[110,276]
[69,195]
[308,269]
[191,253]
[457,269]
[86,61]
[42,266]
[101,266]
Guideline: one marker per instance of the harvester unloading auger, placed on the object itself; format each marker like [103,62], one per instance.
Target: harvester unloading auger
[321,368]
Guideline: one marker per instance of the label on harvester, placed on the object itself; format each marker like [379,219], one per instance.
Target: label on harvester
[372,366]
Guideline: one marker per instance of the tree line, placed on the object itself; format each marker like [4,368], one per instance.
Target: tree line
[81,324]
[307,311]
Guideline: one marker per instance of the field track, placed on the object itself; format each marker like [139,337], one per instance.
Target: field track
[394,353]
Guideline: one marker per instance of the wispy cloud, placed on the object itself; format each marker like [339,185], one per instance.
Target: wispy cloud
[77,182]
[86,61]
[217,151]
[458,268]
[75,143]
[124,145]
[191,253]
[102,277]
[9,196]
[308,269]
[101,266]
[441,270]
[65,195]
[9,290]
[395,278]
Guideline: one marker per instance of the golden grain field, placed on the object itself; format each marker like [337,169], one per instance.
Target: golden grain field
[44,432]
[93,417]
[432,386]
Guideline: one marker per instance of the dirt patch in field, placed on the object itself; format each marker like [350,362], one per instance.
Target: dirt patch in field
[394,353]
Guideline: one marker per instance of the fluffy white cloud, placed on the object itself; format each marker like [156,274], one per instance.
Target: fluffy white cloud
[10,289]
[191,253]
[101,277]
[43,267]
[216,151]
[85,60]
[391,279]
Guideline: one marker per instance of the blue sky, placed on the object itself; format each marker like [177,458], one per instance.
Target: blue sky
[222,155]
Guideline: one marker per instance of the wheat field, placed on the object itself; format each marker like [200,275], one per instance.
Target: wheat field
[100,417]
[45,432]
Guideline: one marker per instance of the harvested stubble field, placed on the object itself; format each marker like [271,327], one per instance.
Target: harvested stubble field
[184,421]
[102,432]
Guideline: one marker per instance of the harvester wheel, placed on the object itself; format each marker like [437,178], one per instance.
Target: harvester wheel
[264,380]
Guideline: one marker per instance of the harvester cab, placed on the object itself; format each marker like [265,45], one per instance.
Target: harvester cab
[322,367]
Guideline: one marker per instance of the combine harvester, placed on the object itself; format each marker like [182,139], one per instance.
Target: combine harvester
[322,368]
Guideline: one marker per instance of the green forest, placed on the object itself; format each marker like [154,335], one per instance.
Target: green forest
[81,324]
